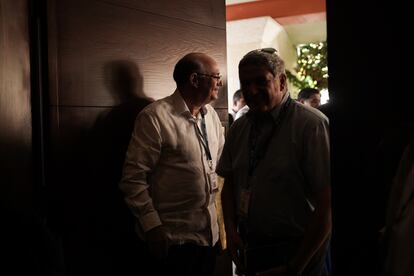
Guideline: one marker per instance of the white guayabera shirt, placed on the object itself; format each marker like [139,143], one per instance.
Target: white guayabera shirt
[167,177]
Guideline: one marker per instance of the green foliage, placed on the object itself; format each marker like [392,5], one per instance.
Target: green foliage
[312,67]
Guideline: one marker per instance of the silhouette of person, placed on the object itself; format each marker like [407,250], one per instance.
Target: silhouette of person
[110,223]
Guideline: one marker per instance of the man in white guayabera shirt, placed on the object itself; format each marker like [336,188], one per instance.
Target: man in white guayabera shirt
[169,178]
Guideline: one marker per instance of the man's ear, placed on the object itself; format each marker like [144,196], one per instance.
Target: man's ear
[194,80]
[283,82]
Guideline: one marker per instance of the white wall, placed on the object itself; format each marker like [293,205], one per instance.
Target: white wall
[249,34]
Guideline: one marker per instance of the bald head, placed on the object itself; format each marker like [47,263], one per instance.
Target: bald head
[190,63]
[198,79]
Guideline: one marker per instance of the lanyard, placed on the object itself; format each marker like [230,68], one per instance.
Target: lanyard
[202,134]
[256,150]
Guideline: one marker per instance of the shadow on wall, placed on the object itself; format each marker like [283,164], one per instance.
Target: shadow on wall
[113,224]
[97,227]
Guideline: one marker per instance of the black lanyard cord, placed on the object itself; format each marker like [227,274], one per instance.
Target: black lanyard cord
[257,151]
[202,134]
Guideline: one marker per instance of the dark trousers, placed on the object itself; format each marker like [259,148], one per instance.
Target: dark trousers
[264,253]
[187,259]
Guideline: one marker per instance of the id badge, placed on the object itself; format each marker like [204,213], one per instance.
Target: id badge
[244,203]
[212,178]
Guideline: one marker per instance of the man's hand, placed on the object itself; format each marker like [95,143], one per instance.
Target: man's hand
[158,242]
[235,245]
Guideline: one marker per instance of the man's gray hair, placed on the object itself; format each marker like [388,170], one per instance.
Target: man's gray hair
[266,57]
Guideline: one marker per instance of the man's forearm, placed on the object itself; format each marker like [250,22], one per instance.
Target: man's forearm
[228,206]
[317,232]
[135,189]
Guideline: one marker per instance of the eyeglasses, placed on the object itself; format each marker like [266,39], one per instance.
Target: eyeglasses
[216,77]
[268,50]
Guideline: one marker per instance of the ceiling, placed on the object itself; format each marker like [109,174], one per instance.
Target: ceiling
[232,2]
[303,20]
[282,24]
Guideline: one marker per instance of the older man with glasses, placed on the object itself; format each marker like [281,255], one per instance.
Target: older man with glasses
[169,178]
[276,196]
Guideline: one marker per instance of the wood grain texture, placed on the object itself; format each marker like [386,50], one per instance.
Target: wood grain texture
[107,60]
[15,108]
[223,114]
[206,12]
[88,150]
[95,39]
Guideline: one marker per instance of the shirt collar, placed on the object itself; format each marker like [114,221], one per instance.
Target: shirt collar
[181,107]
[276,111]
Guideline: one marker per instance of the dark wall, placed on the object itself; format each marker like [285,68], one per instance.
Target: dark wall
[370,114]
[107,60]
[15,113]
[26,246]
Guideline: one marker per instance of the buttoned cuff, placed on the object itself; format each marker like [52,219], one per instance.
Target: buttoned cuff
[149,221]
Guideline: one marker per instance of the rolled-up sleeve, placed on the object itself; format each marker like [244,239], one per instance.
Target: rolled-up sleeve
[142,156]
[221,142]
[317,155]
[224,166]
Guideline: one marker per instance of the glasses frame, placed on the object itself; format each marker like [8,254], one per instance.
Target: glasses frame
[218,78]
